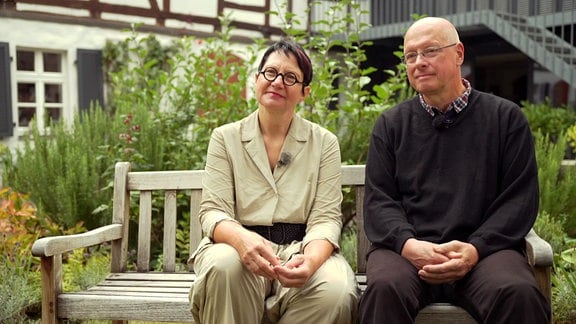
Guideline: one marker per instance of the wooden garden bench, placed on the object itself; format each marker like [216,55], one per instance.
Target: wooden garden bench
[148,295]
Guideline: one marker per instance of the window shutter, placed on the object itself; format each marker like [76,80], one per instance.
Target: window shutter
[6,124]
[90,78]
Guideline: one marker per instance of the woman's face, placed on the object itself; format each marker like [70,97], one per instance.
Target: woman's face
[275,94]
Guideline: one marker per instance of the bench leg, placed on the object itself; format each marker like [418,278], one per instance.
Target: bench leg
[51,270]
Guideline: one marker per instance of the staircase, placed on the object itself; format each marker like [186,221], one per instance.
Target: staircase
[538,43]
[541,45]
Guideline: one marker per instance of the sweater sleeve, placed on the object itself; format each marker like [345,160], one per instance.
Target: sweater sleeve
[512,213]
[385,220]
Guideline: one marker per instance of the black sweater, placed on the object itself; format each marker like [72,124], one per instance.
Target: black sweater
[475,181]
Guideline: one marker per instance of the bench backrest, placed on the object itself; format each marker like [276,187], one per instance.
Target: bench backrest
[172,185]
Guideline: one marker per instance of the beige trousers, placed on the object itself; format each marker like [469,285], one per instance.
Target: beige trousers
[225,292]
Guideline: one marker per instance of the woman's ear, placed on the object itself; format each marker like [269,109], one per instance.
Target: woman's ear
[305,93]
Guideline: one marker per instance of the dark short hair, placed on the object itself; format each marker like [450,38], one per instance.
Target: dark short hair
[290,47]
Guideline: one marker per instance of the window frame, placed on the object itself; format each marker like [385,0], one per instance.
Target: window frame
[40,79]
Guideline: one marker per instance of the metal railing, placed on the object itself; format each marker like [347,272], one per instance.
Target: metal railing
[547,13]
[542,29]
[559,16]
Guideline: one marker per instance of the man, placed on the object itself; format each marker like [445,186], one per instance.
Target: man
[451,191]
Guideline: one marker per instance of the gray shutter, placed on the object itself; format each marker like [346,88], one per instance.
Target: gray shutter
[90,78]
[6,124]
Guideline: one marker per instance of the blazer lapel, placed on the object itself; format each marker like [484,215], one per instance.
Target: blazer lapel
[254,147]
[294,142]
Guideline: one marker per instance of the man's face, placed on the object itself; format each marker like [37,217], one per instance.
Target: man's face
[436,66]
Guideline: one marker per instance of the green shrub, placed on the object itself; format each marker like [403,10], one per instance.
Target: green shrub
[564,296]
[84,268]
[557,184]
[20,288]
[564,284]
[349,245]
[339,99]
[571,133]
[546,119]
[64,172]
[551,229]
[19,227]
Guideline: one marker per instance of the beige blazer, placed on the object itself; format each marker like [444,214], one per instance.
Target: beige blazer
[240,185]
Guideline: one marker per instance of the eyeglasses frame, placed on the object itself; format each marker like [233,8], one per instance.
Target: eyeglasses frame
[425,52]
[263,72]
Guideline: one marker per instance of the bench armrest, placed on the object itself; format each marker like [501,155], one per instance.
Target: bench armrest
[540,256]
[53,245]
[538,251]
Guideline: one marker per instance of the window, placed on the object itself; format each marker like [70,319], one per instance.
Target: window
[40,80]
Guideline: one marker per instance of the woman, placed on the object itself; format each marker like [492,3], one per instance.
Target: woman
[270,211]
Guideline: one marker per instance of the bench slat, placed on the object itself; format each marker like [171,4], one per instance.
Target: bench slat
[169,244]
[132,307]
[150,284]
[165,180]
[152,276]
[195,227]
[144,228]
[139,285]
[135,290]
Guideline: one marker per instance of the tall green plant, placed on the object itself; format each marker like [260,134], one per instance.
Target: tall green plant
[208,87]
[571,133]
[61,169]
[138,75]
[557,184]
[547,119]
[339,98]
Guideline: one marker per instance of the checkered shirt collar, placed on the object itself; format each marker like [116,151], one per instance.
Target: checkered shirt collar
[458,105]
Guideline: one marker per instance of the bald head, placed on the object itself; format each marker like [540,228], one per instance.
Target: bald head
[440,28]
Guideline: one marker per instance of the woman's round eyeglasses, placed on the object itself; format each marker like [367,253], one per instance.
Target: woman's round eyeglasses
[288,78]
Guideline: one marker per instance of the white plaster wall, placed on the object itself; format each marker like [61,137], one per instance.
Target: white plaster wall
[65,39]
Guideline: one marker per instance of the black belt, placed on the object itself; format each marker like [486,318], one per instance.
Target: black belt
[280,233]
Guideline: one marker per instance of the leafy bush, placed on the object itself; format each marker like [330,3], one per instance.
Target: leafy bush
[564,284]
[339,99]
[20,288]
[349,246]
[555,220]
[85,268]
[564,296]
[547,119]
[551,229]
[19,227]
[557,184]
[64,172]
[571,133]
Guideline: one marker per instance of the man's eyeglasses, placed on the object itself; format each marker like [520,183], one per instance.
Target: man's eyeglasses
[430,52]
[288,78]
